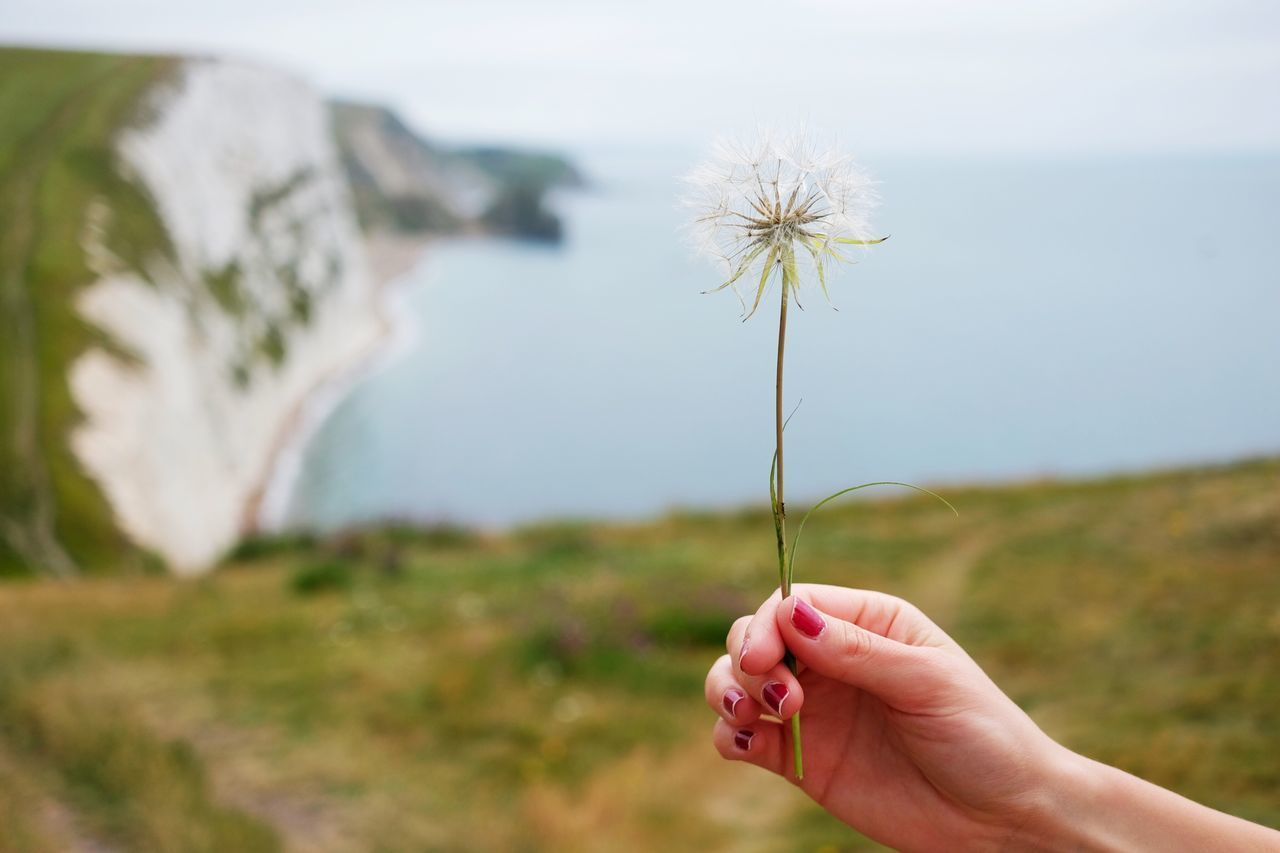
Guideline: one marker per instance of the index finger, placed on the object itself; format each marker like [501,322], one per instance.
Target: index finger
[878,612]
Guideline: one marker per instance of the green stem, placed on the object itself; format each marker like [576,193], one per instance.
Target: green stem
[780,508]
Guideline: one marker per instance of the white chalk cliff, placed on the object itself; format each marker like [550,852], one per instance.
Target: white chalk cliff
[263,295]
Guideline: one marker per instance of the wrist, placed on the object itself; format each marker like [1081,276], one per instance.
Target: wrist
[1061,813]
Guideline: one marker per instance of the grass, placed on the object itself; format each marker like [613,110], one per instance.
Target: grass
[62,111]
[394,689]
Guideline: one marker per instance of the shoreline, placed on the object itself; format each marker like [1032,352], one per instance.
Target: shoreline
[392,258]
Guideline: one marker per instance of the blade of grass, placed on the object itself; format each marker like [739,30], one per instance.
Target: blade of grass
[791,560]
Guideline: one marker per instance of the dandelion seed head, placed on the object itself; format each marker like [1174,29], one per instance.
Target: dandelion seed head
[779,207]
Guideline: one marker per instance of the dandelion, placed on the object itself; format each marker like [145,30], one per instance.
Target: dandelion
[781,208]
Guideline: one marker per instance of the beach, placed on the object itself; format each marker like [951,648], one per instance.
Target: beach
[390,258]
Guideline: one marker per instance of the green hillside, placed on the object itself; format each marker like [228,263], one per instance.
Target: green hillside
[407,690]
[61,112]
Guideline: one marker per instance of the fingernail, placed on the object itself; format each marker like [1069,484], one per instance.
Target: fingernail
[731,699]
[807,620]
[742,739]
[775,693]
[742,652]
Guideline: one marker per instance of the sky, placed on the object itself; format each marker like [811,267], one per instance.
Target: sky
[916,76]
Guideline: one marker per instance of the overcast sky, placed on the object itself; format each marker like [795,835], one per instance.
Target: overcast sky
[937,76]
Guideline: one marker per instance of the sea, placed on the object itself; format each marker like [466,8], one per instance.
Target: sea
[1028,318]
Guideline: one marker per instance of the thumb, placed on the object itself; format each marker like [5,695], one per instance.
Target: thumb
[909,678]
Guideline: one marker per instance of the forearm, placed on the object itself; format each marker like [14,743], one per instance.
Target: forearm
[1099,808]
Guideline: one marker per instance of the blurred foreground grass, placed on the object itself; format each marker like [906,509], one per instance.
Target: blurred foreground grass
[396,689]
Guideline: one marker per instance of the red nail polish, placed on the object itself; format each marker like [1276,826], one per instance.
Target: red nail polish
[742,739]
[775,694]
[807,620]
[732,697]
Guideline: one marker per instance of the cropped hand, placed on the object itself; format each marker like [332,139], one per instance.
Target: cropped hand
[905,737]
[909,741]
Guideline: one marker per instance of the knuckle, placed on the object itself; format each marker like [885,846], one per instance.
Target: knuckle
[905,608]
[898,601]
[915,616]
[854,641]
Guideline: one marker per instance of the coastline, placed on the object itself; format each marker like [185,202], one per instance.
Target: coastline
[392,258]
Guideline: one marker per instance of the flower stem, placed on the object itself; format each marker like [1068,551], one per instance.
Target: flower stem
[780,509]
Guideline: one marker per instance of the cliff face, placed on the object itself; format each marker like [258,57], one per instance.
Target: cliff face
[263,296]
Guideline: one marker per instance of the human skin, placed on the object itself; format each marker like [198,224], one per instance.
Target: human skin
[910,742]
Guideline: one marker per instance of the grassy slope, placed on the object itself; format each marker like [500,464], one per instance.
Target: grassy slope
[61,111]
[434,690]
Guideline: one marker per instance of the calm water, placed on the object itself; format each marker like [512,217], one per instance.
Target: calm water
[1027,318]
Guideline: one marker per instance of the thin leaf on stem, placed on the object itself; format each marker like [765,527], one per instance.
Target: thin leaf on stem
[791,559]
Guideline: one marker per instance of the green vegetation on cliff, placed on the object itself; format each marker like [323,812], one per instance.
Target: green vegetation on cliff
[61,114]
[402,689]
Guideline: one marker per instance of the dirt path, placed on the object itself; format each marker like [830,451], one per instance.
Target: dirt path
[938,587]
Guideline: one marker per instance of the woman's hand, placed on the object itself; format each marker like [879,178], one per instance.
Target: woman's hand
[909,741]
[905,737]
